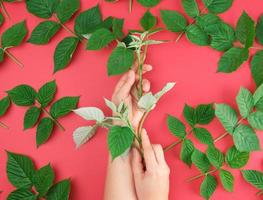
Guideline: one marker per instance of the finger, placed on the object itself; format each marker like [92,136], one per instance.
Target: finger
[159,154]
[146,85]
[120,83]
[149,156]
[137,166]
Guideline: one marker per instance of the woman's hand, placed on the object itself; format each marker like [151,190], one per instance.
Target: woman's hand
[151,177]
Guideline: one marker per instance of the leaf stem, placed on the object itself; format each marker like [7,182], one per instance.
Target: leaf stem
[130,6]
[258,48]
[3,125]
[201,175]
[55,120]
[259,193]
[4,9]
[140,126]
[12,57]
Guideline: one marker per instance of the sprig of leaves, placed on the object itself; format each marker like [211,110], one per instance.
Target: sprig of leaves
[32,183]
[37,102]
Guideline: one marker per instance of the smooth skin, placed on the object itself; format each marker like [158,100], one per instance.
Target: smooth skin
[123,181]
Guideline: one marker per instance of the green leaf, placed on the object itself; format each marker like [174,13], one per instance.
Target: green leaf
[200,161]
[232,59]
[148,21]
[215,157]
[256,120]
[191,8]
[88,21]
[227,180]
[218,6]
[117,26]
[245,102]
[107,23]
[100,39]
[120,61]
[253,177]
[43,32]
[20,170]
[66,9]
[257,67]
[2,19]
[63,106]
[43,180]
[208,22]
[245,139]
[22,95]
[46,93]
[64,52]
[44,130]
[227,116]
[176,127]
[120,140]
[4,105]
[14,35]
[59,191]
[186,152]
[1,55]
[236,159]
[259,30]
[258,98]
[31,117]
[41,8]
[245,30]
[173,20]
[196,35]
[149,3]
[205,113]
[208,186]
[21,194]
[189,115]
[203,136]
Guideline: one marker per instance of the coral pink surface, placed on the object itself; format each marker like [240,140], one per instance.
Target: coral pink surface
[192,67]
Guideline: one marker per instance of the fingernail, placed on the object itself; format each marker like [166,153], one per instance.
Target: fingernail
[149,67]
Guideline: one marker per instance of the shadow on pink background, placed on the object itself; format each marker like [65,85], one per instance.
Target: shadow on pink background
[192,67]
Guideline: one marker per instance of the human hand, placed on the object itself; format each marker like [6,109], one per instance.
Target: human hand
[152,179]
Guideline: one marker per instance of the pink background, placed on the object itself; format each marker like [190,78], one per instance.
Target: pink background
[192,67]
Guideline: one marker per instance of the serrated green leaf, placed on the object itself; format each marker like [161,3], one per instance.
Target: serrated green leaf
[208,186]
[259,30]
[227,180]
[245,102]
[203,136]
[232,59]
[173,20]
[120,61]
[117,26]
[88,21]
[258,98]
[20,170]
[200,160]
[186,152]
[31,117]
[42,8]
[43,32]
[236,159]
[189,115]
[2,19]
[90,113]
[46,93]
[2,55]
[64,52]
[218,6]
[245,139]
[66,9]
[255,119]
[100,39]
[59,191]
[44,130]
[43,180]
[208,22]
[197,36]
[63,106]
[191,8]
[22,95]
[14,35]
[148,21]
[120,139]
[21,194]
[149,3]
[257,67]
[205,113]
[4,105]
[215,157]
[107,23]
[253,177]
[245,30]
[176,127]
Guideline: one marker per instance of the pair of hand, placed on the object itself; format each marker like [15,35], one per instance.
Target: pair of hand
[131,177]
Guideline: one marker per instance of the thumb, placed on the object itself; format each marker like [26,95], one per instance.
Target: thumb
[137,165]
